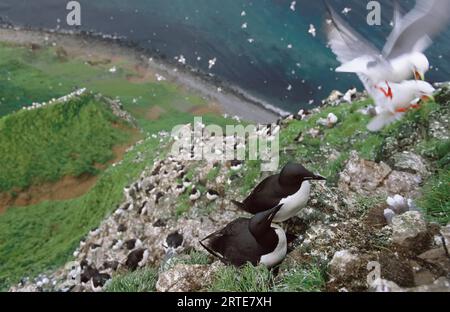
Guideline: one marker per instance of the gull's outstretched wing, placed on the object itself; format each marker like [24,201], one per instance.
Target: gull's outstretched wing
[398,16]
[382,120]
[415,31]
[352,49]
[346,42]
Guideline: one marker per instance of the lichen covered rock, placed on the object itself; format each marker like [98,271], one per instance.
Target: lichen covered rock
[187,278]
[408,228]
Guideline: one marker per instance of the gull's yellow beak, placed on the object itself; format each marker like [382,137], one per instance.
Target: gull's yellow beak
[427,98]
[418,75]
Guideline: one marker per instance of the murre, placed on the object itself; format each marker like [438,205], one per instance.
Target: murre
[291,189]
[254,240]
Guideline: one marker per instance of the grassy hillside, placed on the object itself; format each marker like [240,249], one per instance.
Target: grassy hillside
[39,237]
[68,139]
[44,145]
[42,73]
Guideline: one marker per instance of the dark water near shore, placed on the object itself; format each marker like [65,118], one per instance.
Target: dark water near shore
[201,30]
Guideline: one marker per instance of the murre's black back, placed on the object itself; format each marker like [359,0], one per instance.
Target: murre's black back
[268,194]
[236,245]
[273,189]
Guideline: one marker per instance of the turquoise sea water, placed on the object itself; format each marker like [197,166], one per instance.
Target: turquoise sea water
[282,52]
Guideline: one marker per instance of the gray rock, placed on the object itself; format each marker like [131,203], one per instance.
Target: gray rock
[187,278]
[407,227]
[445,231]
[369,178]
[411,163]
[362,176]
[342,262]
[404,183]
[438,257]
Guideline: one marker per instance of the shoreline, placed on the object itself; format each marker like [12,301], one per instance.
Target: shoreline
[232,100]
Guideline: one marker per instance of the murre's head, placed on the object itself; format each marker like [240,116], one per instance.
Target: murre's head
[419,65]
[296,174]
[260,224]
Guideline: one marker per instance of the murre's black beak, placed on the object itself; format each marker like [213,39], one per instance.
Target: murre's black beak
[273,212]
[262,221]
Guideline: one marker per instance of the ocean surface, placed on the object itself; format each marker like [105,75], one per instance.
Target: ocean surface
[261,46]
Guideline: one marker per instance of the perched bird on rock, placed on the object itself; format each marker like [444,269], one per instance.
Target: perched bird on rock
[212,195]
[290,189]
[254,240]
[137,258]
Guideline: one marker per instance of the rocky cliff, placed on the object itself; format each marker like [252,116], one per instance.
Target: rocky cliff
[378,224]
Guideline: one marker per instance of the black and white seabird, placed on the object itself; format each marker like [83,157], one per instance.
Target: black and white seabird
[99,280]
[174,240]
[235,165]
[187,182]
[195,194]
[137,258]
[254,240]
[133,244]
[291,189]
[122,228]
[117,244]
[180,189]
[212,195]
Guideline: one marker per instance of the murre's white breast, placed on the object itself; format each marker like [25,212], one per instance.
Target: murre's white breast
[294,203]
[280,251]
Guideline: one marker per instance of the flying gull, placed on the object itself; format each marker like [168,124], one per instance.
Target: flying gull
[402,56]
[395,99]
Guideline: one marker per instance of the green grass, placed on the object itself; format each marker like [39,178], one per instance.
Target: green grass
[41,237]
[437,151]
[183,204]
[365,203]
[436,199]
[197,257]
[37,76]
[192,258]
[302,278]
[46,144]
[143,280]
[299,278]
[250,177]
[350,133]
[21,84]
[213,174]
[245,279]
